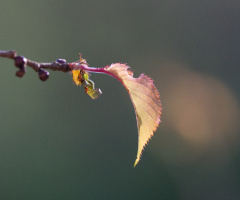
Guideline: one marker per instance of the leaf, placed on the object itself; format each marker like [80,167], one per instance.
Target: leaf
[75,75]
[145,99]
[90,89]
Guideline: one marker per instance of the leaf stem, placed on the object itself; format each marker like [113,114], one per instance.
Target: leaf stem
[94,70]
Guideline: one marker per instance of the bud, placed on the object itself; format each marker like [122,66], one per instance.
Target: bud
[61,61]
[20,72]
[43,74]
[20,62]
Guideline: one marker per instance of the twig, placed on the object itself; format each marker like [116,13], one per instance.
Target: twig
[8,54]
[21,63]
[80,76]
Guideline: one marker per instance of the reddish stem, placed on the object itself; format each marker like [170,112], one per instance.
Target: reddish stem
[95,70]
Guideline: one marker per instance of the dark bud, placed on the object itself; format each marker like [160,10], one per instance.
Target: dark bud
[20,62]
[20,72]
[61,61]
[43,74]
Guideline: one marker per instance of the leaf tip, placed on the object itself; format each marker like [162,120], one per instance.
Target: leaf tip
[136,162]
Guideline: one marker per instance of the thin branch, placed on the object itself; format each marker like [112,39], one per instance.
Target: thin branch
[8,54]
[58,65]
[80,76]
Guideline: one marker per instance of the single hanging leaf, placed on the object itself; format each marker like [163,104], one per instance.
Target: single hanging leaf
[145,99]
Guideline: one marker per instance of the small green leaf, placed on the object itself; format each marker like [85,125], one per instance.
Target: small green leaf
[91,91]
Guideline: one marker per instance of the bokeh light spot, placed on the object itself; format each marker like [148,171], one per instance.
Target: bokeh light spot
[200,110]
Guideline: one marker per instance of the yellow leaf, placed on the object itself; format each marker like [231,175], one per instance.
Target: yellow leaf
[76,74]
[145,99]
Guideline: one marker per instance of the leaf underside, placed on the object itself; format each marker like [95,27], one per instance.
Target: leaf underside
[146,102]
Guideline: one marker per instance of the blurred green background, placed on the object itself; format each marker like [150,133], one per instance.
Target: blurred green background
[57,143]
